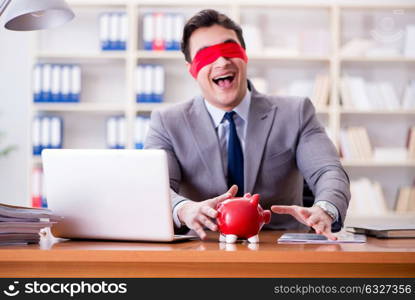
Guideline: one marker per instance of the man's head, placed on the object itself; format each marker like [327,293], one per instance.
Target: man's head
[223,81]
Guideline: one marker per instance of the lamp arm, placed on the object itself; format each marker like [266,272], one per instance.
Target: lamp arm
[3,6]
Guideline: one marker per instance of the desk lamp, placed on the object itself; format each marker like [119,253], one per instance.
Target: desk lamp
[23,15]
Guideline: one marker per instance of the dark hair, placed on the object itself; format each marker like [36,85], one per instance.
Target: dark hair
[207,18]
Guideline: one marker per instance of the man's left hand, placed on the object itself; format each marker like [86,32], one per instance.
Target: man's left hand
[314,217]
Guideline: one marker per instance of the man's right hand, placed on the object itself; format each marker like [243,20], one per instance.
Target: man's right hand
[197,215]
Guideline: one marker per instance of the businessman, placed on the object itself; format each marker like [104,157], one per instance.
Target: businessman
[233,140]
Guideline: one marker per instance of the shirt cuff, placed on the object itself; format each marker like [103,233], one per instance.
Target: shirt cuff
[333,209]
[175,216]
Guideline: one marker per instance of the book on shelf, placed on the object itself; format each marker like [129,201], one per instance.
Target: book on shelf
[367,198]
[361,47]
[142,125]
[54,83]
[150,83]
[116,132]
[396,154]
[22,225]
[355,143]
[317,90]
[411,143]
[321,90]
[47,133]
[357,93]
[113,31]
[162,31]
[408,101]
[356,47]
[406,199]
[409,44]
[253,39]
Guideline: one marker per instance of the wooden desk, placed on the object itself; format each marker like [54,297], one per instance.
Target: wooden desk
[376,258]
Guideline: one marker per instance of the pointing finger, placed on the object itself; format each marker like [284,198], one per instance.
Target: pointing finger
[319,228]
[313,219]
[283,209]
[327,232]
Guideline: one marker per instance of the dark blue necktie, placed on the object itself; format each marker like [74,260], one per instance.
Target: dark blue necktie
[235,157]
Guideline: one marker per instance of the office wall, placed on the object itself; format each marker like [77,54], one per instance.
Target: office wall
[15,66]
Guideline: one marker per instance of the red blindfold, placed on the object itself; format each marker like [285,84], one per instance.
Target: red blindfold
[208,55]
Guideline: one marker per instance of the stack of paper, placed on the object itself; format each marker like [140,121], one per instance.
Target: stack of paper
[21,225]
[384,231]
[312,238]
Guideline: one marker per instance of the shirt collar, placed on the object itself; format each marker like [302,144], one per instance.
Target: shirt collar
[242,110]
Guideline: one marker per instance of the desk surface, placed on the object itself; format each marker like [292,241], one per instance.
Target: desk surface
[376,258]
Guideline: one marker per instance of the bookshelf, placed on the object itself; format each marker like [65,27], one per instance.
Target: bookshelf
[109,76]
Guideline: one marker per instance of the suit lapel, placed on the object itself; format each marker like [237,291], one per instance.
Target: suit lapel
[260,120]
[206,142]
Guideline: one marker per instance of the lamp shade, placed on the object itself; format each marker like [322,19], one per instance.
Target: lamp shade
[24,15]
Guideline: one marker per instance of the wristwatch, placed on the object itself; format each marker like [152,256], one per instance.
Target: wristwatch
[329,209]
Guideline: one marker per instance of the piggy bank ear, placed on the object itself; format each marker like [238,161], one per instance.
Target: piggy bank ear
[254,200]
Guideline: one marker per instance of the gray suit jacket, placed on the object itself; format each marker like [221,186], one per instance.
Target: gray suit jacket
[284,143]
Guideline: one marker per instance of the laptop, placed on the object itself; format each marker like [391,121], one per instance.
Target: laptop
[110,194]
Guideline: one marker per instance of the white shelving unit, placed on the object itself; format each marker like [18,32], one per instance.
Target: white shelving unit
[109,77]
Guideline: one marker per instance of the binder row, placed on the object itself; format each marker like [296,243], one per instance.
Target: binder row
[149,83]
[38,188]
[162,31]
[56,83]
[113,31]
[47,133]
[116,132]
[142,124]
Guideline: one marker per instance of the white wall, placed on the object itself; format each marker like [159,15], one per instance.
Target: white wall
[15,65]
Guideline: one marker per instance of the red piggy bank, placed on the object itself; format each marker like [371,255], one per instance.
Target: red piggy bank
[241,218]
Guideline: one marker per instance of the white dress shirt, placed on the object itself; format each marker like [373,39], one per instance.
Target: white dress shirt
[222,126]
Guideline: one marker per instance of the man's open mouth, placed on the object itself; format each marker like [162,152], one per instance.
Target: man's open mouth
[224,81]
